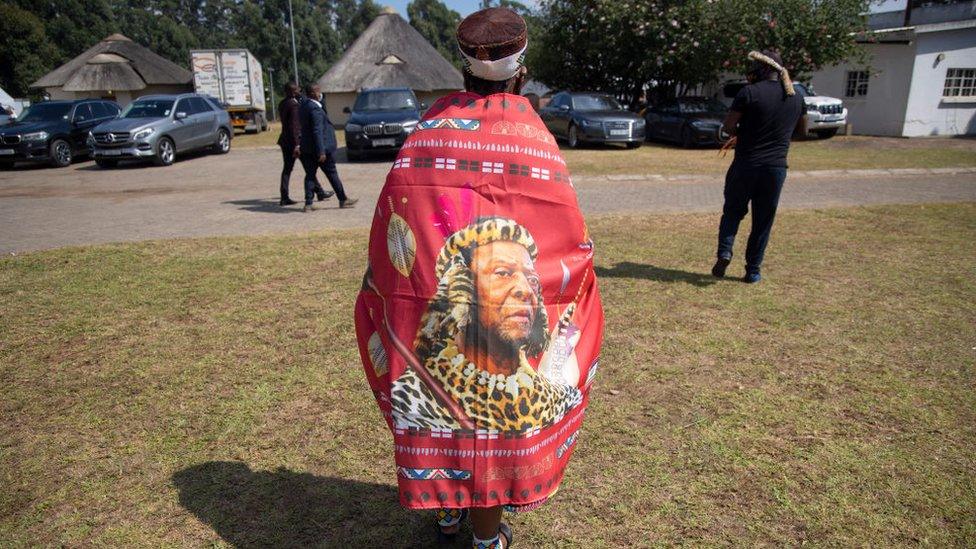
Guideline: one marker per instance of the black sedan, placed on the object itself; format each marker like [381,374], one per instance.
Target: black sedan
[689,121]
[593,118]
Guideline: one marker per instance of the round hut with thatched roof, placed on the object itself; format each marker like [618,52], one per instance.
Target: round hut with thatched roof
[115,68]
[388,54]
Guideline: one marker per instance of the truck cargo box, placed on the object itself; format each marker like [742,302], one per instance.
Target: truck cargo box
[233,76]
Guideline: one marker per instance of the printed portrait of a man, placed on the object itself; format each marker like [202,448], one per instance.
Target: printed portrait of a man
[486,319]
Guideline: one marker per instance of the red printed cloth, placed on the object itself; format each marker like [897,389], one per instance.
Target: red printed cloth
[479,322]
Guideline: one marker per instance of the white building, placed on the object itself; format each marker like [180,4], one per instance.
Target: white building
[917,80]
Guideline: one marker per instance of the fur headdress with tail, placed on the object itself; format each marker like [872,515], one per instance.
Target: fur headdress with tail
[783,73]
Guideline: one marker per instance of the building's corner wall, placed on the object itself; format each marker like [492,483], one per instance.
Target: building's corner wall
[882,110]
[928,113]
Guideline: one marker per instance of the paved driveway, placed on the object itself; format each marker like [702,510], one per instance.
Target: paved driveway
[236,194]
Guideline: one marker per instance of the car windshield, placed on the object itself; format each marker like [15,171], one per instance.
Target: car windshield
[693,106]
[150,108]
[595,103]
[803,90]
[385,101]
[45,112]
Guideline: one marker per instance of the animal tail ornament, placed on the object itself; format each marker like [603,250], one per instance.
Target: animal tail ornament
[783,73]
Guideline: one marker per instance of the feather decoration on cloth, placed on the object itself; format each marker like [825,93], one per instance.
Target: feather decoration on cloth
[402,245]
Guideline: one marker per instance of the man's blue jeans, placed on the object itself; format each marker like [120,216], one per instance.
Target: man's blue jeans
[760,185]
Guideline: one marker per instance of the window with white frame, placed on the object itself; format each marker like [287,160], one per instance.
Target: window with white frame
[960,83]
[857,84]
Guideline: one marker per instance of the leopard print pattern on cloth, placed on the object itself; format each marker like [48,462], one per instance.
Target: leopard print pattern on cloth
[518,402]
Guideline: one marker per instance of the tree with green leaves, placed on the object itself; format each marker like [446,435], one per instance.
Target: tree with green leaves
[39,35]
[438,24]
[25,49]
[624,46]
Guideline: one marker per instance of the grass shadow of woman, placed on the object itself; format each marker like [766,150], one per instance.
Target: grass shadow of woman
[283,508]
[641,271]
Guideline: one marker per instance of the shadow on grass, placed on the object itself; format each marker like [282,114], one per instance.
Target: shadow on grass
[659,274]
[283,508]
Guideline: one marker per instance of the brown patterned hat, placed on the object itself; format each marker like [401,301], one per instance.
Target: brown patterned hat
[492,43]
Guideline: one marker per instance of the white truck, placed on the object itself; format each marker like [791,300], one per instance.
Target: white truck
[234,78]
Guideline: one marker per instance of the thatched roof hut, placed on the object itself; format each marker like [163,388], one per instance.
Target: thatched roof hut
[115,68]
[389,53]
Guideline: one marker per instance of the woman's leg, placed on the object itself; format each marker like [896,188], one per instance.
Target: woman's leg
[485,522]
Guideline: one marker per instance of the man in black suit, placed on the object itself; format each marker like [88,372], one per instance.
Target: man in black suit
[289,139]
[318,147]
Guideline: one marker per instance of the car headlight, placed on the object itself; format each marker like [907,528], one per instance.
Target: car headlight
[640,122]
[91,139]
[812,108]
[354,128]
[703,124]
[410,125]
[142,134]
[584,123]
[36,136]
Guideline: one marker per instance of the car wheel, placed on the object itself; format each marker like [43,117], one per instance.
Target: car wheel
[572,138]
[634,145]
[165,152]
[222,146]
[686,140]
[826,134]
[60,153]
[105,163]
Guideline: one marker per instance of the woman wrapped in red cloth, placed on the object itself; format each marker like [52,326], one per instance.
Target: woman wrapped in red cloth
[479,321]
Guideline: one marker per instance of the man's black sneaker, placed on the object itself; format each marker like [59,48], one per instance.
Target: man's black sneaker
[287,202]
[326,195]
[718,270]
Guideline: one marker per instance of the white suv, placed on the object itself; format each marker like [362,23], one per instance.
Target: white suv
[825,115]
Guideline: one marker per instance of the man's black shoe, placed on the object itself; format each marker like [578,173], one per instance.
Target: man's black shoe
[718,270]
[287,202]
[327,195]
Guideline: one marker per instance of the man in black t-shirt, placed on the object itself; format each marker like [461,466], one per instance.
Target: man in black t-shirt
[763,117]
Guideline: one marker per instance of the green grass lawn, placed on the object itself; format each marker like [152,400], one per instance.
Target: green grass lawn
[198,392]
[838,153]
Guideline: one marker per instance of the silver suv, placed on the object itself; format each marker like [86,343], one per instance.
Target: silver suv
[158,127]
